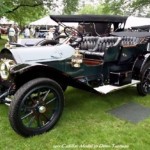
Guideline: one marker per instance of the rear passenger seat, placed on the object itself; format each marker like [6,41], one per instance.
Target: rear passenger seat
[130,41]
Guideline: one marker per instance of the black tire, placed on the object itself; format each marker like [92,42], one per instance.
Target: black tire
[36,108]
[6,55]
[143,88]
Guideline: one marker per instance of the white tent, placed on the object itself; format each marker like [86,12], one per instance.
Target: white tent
[4,20]
[44,21]
[47,21]
[136,21]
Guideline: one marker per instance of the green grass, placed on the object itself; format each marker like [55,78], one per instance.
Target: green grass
[84,124]
[2,42]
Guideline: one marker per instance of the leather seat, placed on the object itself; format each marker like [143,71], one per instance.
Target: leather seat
[106,42]
[130,41]
[96,46]
[99,44]
[88,43]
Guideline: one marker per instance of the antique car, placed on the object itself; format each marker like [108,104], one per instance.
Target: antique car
[99,26]
[33,79]
[145,28]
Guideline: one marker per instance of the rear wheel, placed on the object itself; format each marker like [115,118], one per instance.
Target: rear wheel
[143,88]
[37,106]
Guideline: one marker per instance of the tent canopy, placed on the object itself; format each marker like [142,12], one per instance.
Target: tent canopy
[136,21]
[47,21]
[4,20]
[44,21]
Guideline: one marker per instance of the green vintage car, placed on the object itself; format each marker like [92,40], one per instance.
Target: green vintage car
[33,79]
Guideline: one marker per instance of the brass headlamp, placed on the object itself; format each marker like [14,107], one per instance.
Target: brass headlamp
[5,66]
[77,59]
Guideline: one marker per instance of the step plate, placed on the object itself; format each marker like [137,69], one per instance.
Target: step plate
[110,88]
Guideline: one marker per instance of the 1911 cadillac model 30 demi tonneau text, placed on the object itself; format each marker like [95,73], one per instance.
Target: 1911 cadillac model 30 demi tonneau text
[33,78]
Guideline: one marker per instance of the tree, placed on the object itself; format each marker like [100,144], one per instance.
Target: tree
[140,3]
[89,9]
[70,6]
[107,7]
[119,7]
[10,6]
[25,11]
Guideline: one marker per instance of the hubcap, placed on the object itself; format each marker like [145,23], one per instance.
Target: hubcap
[42,109]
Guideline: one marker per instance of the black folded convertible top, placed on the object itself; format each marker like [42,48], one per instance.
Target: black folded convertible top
[89,18]
[142,28]
[131,34]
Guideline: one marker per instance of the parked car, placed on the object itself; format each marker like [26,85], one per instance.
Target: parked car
[141,28]
[33,79]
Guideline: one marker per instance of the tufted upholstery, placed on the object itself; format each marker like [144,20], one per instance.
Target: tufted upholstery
[130,41]
[99,45]
[106,42]
[88,43]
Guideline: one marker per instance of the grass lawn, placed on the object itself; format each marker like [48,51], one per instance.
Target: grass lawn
[85,124]
[2,42]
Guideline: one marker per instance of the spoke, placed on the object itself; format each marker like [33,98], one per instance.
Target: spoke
[51,101]
[45,95]
[38,121]
[31,121]
[38,94]
[27,115]
[47,119]
[30,108]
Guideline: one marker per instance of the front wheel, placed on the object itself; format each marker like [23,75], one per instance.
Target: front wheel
[143,88]
[37,106]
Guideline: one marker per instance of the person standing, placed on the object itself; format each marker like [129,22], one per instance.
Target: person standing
[11,34]
[26,33]
[37,32]
[32,31]
[17,30]
[50,34]
[56,31]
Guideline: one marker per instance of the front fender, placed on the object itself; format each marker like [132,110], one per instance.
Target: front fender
[139,64]
[25,72]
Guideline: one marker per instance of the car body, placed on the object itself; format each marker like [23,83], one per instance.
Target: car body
[141,28]
[33,79]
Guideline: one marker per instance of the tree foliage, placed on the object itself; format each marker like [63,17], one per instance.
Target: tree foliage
[119,7]
[140,3]
[70,6]
[25,11]
[107,7]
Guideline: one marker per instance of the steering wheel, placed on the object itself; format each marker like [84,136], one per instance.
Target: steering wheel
[75,36]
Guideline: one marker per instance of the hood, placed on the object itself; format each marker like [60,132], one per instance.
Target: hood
[42,54]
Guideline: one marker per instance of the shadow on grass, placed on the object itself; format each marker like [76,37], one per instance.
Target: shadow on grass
[75,98]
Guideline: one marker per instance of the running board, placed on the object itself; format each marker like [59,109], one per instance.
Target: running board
[110,88]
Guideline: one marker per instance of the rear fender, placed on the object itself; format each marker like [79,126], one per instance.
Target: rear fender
[139,64]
